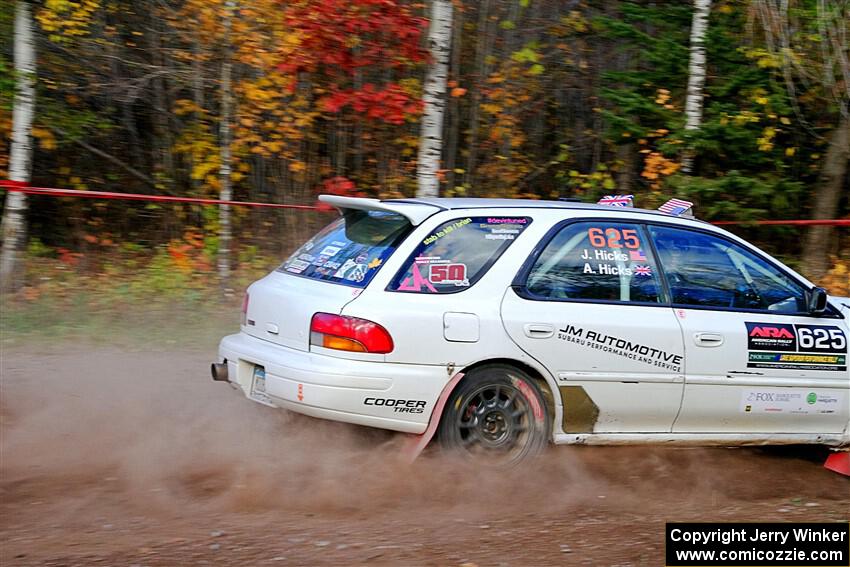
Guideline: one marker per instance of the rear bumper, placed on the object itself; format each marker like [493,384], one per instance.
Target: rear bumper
[393,396]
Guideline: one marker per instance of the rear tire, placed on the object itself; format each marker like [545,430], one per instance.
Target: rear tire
[497,413]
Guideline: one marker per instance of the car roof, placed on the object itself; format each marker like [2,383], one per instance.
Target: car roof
[417,209]
[452,203]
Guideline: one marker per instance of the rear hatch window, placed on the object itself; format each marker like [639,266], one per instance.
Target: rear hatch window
[350,250]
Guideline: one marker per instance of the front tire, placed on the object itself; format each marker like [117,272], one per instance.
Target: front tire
[497,413]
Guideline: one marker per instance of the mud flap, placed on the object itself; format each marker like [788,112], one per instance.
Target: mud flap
[415,444]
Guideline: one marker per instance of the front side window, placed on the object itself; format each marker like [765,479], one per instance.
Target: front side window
[457,254]
[596,260]
[709,271]
[351,249]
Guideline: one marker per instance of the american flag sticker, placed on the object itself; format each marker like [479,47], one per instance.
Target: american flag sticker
[675,207]
[643,271]
[637,256]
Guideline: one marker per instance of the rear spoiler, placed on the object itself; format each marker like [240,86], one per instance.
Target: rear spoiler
[414,212]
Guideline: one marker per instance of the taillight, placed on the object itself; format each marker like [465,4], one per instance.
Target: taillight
[349,333]
[244,317]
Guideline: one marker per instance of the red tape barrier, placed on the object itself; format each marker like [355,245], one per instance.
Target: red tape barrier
[25,188]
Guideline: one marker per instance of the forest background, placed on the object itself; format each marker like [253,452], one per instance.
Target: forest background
[278,101]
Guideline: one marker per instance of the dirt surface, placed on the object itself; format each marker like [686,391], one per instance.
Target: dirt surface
[112,457]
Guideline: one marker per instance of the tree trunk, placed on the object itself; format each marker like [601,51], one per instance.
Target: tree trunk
[225,135]
[14,228]
[453,120]
[827,198]
[696,75]
[434,96]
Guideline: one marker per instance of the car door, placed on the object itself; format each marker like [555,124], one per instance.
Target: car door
[755,360]
[590,307]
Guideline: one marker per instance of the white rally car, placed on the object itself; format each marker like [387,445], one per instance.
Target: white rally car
[501,325]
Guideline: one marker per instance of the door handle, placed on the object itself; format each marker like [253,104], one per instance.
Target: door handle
[538,330]
[708,339]
[272,329]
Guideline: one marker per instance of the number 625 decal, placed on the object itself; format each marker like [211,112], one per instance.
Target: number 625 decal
[821,338]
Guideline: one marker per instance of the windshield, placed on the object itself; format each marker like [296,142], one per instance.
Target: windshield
[350,250]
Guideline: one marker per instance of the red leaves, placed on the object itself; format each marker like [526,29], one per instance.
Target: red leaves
[338,186]
[390,104]
[344,40]
[343,35]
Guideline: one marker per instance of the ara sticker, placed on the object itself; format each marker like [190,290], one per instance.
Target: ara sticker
[785,346]
[446,274]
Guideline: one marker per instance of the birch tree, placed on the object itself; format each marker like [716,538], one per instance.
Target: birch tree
[14,214]
[431,136]
[696,75]
[225,138]
[809,42]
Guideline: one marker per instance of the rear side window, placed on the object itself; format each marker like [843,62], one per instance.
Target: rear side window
[601,261]
[351,249]
[457,254]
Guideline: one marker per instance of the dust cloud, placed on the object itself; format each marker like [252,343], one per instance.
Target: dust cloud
[139,458]
[157,427]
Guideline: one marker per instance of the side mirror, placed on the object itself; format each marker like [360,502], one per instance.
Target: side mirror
[816,300]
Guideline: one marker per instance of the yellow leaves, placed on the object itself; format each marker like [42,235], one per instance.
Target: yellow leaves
[491,108]
[65,20]
[763,58]
[458,92]
[837,280]
[184,106]
[765,142]
[204,168]
[297,166]
[662,96]
[656,166]
[789,152]
[785,120]
[46,139]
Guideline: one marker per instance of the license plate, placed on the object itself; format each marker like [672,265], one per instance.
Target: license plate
[259,385]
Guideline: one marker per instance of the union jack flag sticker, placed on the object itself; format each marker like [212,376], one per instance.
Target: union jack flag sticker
[617,200]
[643,271]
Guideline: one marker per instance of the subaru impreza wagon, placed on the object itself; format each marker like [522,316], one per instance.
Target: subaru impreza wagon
[502,325]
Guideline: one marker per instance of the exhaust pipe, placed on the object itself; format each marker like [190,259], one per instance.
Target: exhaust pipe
[219,371]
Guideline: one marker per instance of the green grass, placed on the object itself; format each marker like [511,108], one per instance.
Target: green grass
[174,321]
